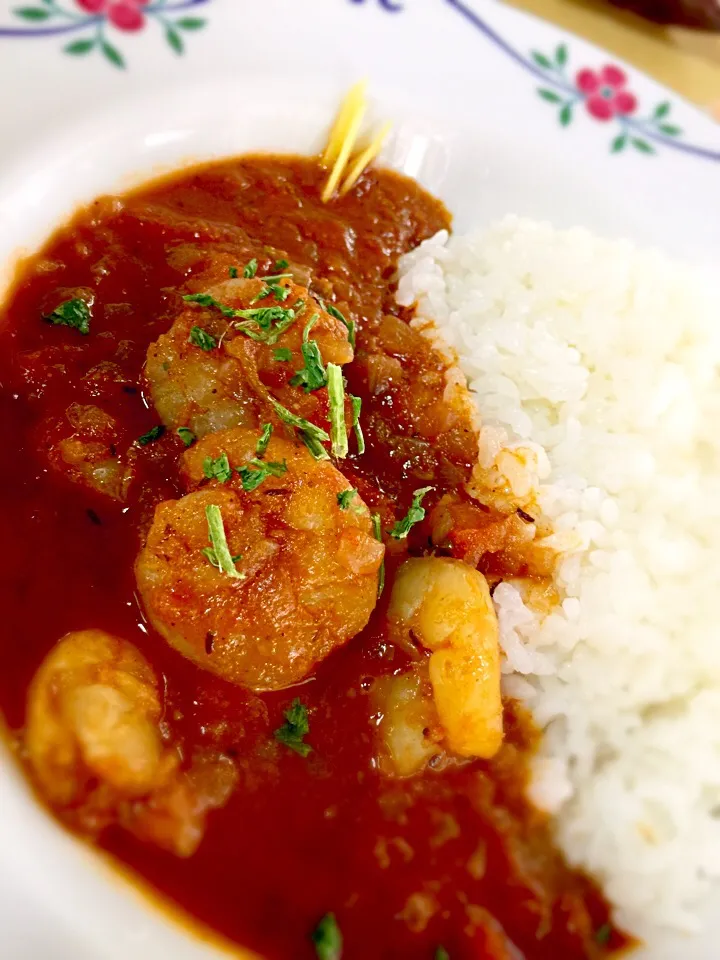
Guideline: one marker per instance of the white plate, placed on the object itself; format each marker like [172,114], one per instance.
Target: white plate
[491,112]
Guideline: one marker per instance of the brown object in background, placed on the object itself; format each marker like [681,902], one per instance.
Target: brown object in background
[699,14]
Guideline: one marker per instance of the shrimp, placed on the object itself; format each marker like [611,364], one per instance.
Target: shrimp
[227,381]
[407,721]
[304,571]
[89,456]
[94,744]
[446,606]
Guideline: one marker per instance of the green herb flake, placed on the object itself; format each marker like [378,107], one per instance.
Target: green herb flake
[603,934]
[154,433]
[442,954]
[296,727]
[377,531]
[271,321]
[186,435]
[311,435]
[262,444]
[263,324]
[336,393]
[312,376]
[233,271]
[277,289]
[345,498]
[201,338]
[218,553]
[71,313]
[282,354]
[281,265]
[205,300]
[253,473]
[350,324]
[415,514]
[218,469]
[356,405]
[327,938]
[250,269]
[309,325]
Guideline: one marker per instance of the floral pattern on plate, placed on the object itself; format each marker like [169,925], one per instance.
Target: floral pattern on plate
[90,20]
[605,95]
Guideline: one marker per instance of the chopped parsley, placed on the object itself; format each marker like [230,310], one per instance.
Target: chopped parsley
[442,954]
[280,292]
[253,473]
[311,435]
[377,530]
[71,313]
[186,435]
[270,322]
[217,469]
[283,354]
[336,393]
[205,300]
[603,934]
[264,324]
[296,727]
[201,338]
[281,264]
[415,514]
[313,375]
[350,324]
[250,269]
[327,938]
[154,433]
[218,553]
[262,444]
[233,271]
[356,405]
[345,498]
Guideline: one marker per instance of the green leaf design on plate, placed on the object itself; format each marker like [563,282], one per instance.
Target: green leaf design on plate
[642,145]
[541,60]
[79,47]
[31,13]
[190,23]
[669,130]
[566,115]
[561,55]
[661,110]
[550,96]
[112,54]
[619,143]
[174,39]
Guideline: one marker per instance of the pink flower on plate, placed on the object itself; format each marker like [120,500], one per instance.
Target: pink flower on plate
[605,93]
[123,14]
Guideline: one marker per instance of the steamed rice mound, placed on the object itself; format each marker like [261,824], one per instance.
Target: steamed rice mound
[606,359]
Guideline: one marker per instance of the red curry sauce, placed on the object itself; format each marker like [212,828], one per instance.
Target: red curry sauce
[453,857]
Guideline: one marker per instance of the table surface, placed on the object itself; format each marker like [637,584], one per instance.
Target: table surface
[687,61]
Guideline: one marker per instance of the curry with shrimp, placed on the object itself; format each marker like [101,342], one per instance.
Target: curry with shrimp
[249,554]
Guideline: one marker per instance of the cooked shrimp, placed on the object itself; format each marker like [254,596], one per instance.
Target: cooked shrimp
[446,606]
[407,722]
[226,381]
[93,741]
[303,575]
[90,455]
[93,712]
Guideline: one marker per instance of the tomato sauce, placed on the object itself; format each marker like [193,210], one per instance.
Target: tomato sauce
[452,858]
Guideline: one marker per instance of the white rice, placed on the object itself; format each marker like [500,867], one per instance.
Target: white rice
[607,357]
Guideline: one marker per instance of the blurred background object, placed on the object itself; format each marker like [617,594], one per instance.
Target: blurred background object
[701,14]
